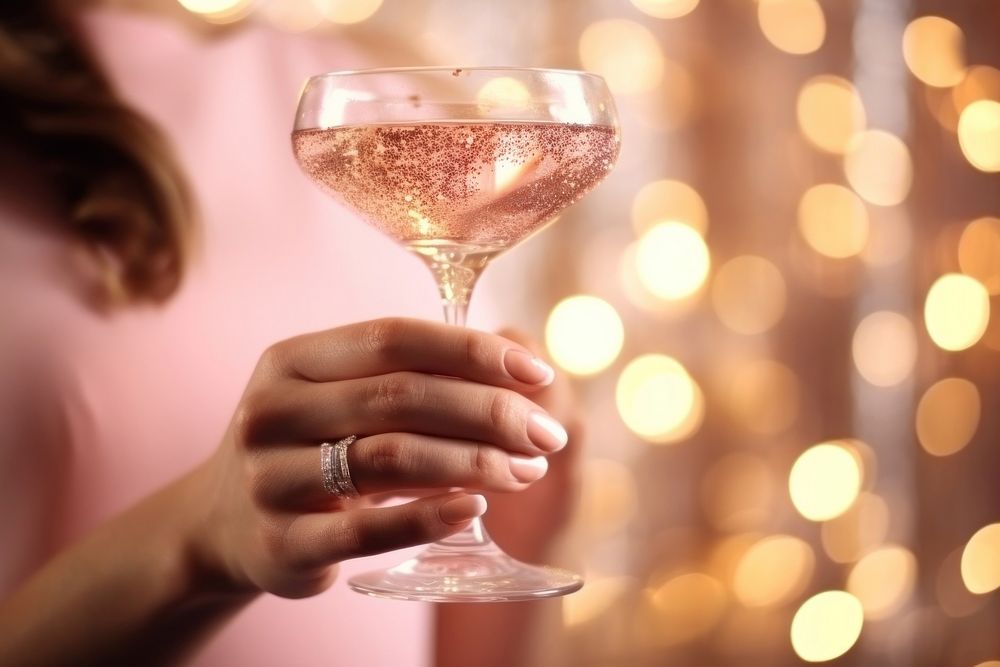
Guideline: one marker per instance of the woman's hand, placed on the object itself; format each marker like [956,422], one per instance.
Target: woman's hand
[433,407]
[529,523]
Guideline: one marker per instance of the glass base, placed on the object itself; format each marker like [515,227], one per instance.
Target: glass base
[480,573]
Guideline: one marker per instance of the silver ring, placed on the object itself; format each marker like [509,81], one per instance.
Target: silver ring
[336,474]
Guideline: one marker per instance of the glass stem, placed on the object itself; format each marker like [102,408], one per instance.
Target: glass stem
[473,535]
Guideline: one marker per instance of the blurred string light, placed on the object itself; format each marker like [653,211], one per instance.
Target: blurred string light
[773,571]
[624,52]
[289,15]
[292,15]
[503,90]
[584,334]
[858,530]
[737,492]
[663,200]
[829,112]
[883,581]
[979,252]
[947,416]
[979,135]
[348,11]
[878,166]
[748,294]
[665,9]
[934,50]
[596,598]
[794,26]
[981,82]
[833,220]
[219,11]
[884,348]
[681,608]
[826,626]
[824,481]
[658,400]
[672,261]
[671,103]
[981,560]
[956,311]
[953,597]
[609,498]
[763,395]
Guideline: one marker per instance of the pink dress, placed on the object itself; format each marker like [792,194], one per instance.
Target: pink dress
[98,411]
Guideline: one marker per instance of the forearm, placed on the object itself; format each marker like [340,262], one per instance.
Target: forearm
[128,593]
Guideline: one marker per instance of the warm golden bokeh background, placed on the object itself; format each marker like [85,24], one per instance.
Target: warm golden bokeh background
[783,308]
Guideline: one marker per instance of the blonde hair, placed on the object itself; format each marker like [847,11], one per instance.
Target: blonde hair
[124,196]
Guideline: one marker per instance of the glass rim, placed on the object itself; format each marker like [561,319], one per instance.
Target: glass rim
[444,68]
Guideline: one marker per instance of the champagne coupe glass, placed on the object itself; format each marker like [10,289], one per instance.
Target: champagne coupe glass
[457,165]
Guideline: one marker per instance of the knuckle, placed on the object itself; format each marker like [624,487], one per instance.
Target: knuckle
[500,409]
[257,417]
[259,479]
[487,462]
[384,336]
[348,536]
[391,393]
[478,350]
[387,457]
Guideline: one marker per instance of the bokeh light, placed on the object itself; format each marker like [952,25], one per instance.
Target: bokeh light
[858,530]
[953,597]
[658,400]
[292,15]
[826,626]
[672,260]
[883,580]
[737,492]
[934,50]
[748,294]
[884,348]
[665,9]
[668,200]
[829,112]
[981,560]
[773,571]
[503,91]
[979,252]
[671,103]
[584,334]
[624,52]
[593,600]
[794,26]
[219,11]
[763,395]
[681,608]
[947,416]
[833,220]
[878,167]
[956,311]
[979,135]
[348,11]
[981,82]
[824,481]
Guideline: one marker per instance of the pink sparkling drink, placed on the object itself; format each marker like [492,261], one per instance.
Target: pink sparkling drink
[477,185]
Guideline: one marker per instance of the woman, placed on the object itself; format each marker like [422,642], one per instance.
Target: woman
[155,510]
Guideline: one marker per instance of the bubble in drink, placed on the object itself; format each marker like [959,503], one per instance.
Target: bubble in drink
[471,184]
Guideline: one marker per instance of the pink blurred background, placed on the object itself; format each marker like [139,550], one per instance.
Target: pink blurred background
[782,308]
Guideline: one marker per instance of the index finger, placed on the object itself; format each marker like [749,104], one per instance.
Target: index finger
[390,345]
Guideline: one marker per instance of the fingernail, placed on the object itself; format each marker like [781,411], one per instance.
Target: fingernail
[463,508]
[528,469]
[545,432]
[528,369]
